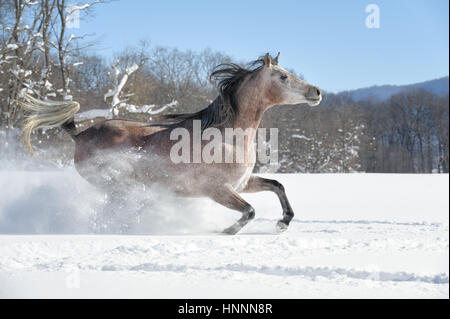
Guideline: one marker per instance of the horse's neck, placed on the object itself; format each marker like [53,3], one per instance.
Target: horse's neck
[251,109]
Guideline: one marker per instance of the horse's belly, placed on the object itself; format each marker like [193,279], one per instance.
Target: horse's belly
[106,168]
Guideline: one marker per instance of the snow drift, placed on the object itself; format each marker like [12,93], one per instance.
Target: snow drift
[354,235]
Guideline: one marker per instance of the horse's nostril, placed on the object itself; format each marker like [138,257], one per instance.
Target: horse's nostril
[318,91]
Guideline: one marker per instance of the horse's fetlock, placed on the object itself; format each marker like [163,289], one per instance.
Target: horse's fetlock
[288,215]
[251,213]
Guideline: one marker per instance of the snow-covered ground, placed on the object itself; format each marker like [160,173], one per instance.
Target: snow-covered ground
[354,235]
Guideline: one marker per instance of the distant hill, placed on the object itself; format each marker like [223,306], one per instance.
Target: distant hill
[383,92]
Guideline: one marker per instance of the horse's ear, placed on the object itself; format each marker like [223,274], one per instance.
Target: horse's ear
[275,61]
[267,60]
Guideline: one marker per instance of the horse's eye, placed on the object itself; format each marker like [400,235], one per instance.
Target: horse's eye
[283,77]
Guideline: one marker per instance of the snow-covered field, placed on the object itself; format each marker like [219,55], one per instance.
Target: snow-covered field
[354,235]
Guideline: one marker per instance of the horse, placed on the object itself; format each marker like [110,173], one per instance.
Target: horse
[118,152]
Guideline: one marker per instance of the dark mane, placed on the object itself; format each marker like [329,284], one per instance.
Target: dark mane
[227,77]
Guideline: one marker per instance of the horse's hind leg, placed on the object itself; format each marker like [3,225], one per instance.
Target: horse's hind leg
[228,197]
[259,184]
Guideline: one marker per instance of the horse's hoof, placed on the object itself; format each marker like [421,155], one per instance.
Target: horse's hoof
[230,230]
[281,226]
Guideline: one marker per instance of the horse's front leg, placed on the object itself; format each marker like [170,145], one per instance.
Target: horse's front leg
[259,184]
[229,198]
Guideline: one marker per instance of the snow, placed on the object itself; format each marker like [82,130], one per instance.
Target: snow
[354,236]
[149,109]
[129,108]
[12,46]
[74,8]
[115,93]
[131,69]
[302,137]
[93,113]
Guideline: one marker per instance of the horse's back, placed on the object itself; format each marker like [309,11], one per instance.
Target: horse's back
[111,133]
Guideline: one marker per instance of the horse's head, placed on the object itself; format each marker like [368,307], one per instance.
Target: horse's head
[283,87]
[245,92]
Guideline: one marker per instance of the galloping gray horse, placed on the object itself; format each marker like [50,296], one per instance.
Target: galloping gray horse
[144,148]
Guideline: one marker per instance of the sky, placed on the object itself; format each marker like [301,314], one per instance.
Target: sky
[325,40]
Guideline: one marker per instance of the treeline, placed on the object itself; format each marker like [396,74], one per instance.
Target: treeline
[408,133]
[411,130]
[38,53]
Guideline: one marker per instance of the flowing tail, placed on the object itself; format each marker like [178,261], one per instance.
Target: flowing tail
[46,114]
